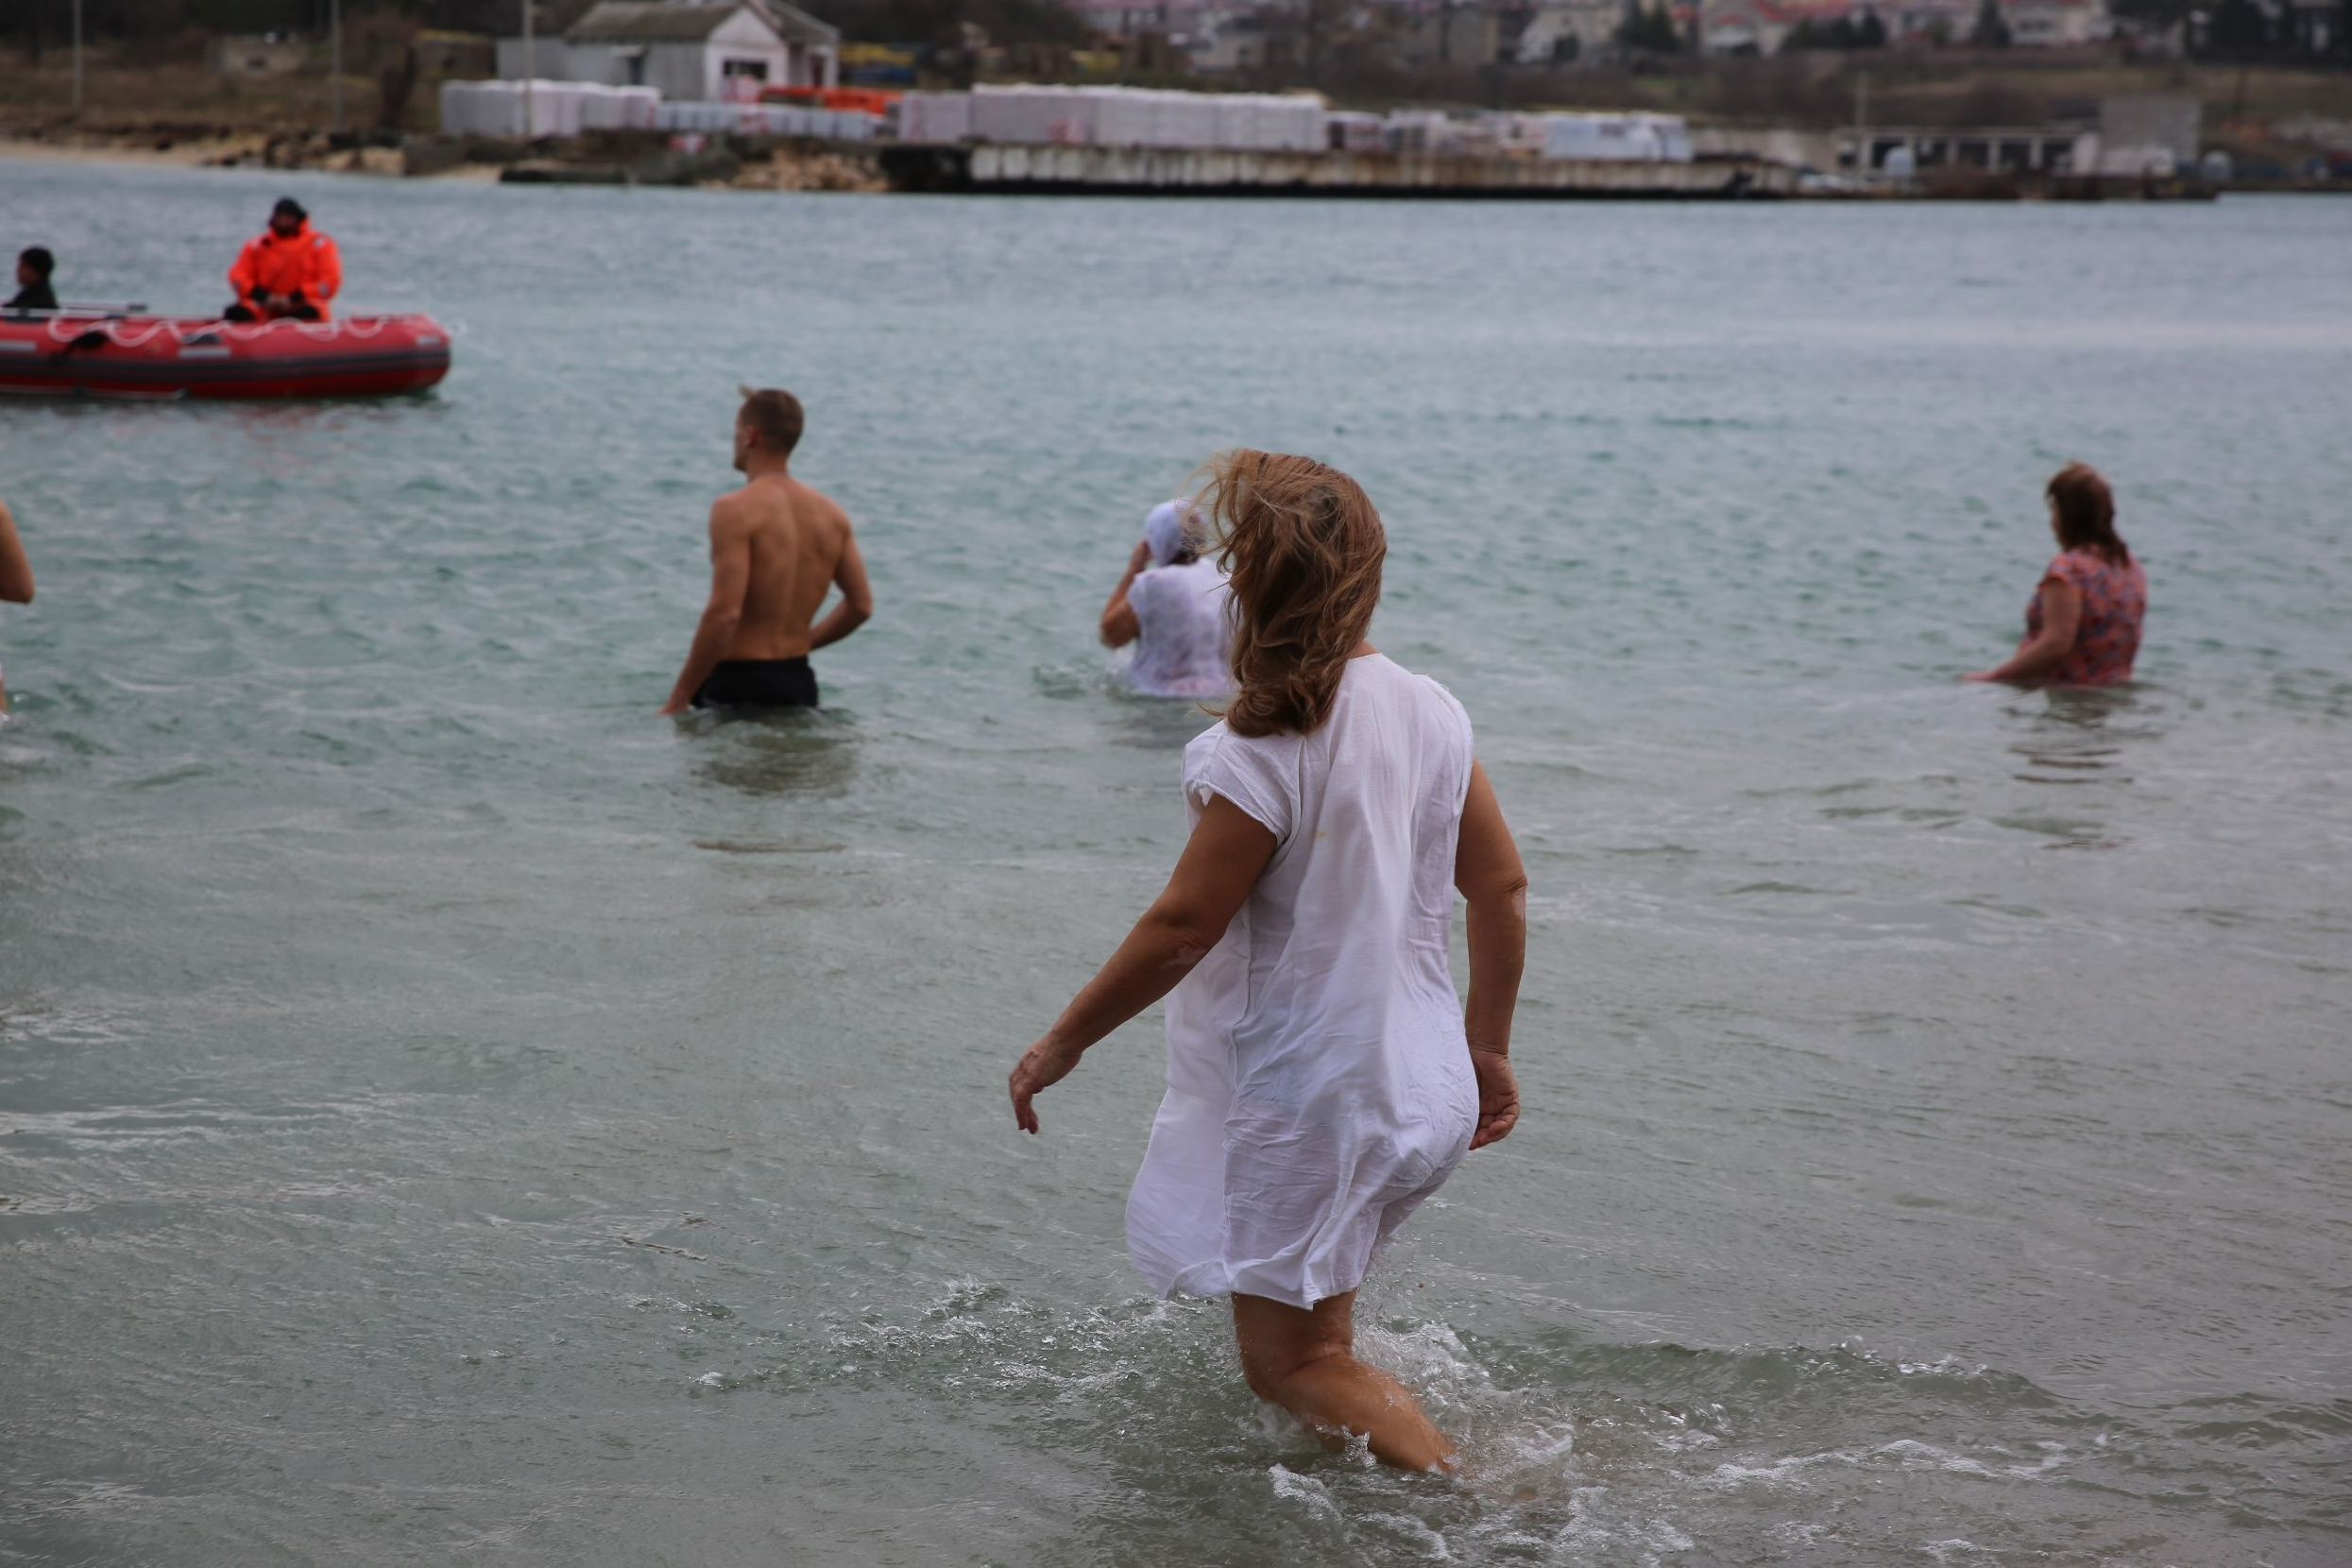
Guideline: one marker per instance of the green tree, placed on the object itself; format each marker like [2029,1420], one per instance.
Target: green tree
[1991,32]
[1651,30]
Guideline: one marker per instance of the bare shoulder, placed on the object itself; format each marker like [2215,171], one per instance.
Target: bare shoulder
[733,510]
[823,509]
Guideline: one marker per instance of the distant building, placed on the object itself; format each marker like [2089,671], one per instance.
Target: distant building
[1133,18]
[1265,41]
[1455,35]
[1577,29]
[1752,26]
[689,53]
[2133,136]
[1763,27]
[2053,24]
[2312,28]
[2148,133]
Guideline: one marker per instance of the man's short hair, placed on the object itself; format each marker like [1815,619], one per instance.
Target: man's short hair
[775,416]
[39,258]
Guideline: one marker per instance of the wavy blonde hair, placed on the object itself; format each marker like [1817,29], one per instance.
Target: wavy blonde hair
[1303,549]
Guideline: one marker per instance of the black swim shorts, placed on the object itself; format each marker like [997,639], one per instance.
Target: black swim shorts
[759,683]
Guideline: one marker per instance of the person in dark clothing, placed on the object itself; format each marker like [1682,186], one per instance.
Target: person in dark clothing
[33,292]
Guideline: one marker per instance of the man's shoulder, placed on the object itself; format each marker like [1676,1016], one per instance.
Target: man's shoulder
[822,508]
[738,509]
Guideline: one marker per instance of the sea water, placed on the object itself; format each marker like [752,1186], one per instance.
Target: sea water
[449,1113]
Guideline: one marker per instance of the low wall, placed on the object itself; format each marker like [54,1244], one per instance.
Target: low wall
[1121,171]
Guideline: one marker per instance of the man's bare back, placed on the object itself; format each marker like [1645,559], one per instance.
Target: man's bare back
[796,537]
[777,548]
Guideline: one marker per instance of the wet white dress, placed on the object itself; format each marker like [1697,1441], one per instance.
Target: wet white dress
[1318,1084]
[1184,646]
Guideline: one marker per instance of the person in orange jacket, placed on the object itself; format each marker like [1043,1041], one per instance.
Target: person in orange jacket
[288,269]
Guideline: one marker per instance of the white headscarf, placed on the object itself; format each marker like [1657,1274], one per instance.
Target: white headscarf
[1168,531]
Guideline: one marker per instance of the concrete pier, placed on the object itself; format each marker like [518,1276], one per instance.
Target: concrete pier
[1002,170]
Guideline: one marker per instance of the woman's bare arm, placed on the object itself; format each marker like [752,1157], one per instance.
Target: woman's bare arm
[16,570]
[1221,862]
[1119,626]
[2061,622]
[1491,880]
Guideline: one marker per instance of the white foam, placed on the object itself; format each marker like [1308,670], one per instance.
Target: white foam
[1291,1487]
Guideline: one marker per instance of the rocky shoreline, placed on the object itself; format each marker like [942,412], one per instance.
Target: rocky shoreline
[598,158]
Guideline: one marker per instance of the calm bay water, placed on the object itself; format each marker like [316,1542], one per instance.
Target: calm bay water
[447,1111]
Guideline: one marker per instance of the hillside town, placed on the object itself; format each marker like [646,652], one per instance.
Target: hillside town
[1967,96]
[1301,41]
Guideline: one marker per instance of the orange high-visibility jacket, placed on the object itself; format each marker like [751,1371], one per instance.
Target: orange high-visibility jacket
[307,262]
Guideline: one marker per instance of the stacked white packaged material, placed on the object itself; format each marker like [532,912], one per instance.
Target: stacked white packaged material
[1356,131]
[457,108]
[600,107]
[1021,114]
[1185,120]
[1618,138]
[935,119]
[634,107]
[1419,130]
[1480,137]
[1232,121]
[757,119]
[1302,121]
[554,108]
[497,108]
[1125,117]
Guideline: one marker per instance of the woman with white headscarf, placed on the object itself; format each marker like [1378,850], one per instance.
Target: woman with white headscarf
[1172,605]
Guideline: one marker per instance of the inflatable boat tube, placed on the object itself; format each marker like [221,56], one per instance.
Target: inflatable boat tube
[151,356]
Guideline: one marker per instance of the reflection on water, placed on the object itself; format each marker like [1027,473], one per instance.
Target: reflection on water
[2081,735]
[2076,734]
[790,752]
[1156,723]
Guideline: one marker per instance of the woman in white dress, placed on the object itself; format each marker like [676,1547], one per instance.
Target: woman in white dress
[1323,1078]
[1171,605]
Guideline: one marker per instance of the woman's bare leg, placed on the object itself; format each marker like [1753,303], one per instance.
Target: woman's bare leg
[1305,1362]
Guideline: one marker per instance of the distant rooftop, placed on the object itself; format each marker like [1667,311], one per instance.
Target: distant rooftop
[651,22]
[795,24]
[688,22]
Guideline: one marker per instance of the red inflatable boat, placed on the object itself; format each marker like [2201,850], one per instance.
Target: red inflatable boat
[154,356]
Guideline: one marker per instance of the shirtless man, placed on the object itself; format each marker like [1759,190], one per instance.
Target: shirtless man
[777,546]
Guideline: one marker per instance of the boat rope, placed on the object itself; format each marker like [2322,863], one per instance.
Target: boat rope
[70,332]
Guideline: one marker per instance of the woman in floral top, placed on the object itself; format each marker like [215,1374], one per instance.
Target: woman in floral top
[2082,628]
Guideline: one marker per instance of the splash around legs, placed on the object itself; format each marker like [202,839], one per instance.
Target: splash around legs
[1304,1361]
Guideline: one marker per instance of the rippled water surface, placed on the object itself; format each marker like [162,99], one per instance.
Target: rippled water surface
[447,1112]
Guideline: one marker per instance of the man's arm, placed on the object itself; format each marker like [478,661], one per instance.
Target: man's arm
[326,270]
[857,606]
[731,577]
[16,571]
[242,273]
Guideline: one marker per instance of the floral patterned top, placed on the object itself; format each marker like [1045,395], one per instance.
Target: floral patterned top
[2114,599]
